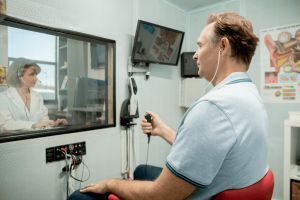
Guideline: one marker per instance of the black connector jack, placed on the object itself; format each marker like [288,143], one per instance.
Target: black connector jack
[78,161]
[64,169]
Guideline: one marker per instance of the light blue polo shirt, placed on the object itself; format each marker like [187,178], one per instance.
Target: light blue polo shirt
[221,142]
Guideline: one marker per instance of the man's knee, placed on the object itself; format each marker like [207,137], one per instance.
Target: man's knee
[139,172]
[76,196]
[146,172]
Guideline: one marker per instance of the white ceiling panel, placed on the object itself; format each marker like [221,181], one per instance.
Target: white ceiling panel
[192,4]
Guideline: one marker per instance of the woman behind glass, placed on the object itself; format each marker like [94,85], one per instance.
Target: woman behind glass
[22,108]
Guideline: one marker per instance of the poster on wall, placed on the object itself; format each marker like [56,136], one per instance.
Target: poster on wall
[280,64]
[3,6]
[2,75]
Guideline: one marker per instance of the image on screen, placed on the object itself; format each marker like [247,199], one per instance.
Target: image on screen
[157,44]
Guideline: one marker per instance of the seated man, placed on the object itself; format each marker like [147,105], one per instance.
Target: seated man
[221,142]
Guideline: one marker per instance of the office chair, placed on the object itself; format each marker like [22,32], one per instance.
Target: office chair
[262,190]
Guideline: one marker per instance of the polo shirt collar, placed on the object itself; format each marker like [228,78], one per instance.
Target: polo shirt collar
[234,77]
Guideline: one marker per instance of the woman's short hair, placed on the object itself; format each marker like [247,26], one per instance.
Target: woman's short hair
[238,30]
[17,69]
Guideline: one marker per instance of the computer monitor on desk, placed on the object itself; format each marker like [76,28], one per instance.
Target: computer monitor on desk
[89,101]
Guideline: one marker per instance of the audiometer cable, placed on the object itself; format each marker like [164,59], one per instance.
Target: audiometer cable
[133,146]
[81,179]
[82,170]
[66,170]
[146,161]
[148,118]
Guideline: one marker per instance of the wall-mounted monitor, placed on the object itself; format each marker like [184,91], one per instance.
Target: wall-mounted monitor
[156,44]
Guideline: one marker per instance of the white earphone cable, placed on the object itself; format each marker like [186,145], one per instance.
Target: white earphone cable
[215,73]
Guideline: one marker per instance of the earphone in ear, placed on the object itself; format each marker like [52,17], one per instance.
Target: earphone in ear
[20,72]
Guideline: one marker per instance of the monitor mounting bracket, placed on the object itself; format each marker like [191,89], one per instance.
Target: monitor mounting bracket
[139,67]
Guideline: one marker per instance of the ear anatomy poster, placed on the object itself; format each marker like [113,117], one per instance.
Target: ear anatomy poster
[3,6]
[280,64]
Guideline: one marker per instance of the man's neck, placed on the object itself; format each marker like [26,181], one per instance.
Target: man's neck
[225,70]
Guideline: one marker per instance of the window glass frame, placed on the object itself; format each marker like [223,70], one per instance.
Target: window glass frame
[18,23]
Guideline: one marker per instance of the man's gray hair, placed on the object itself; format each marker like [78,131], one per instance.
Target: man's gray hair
[213,39]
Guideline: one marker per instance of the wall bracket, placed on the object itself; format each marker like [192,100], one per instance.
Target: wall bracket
[139,67]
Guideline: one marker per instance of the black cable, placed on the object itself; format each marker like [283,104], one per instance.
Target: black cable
[129,156]
[146,162]
[82,170]
[81,179]
[67,175]
[133,145]
[126,148]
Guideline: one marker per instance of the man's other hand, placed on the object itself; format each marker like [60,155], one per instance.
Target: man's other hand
[99,188]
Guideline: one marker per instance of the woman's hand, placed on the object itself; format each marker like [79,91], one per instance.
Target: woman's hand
[60,121]
[155,127]
[99,188]
[42,124]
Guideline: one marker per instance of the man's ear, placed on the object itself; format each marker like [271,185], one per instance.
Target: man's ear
[224,45]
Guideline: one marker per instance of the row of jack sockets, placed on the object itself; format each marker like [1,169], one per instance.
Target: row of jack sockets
[76,148]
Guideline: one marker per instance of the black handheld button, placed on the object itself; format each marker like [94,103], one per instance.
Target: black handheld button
[148,118]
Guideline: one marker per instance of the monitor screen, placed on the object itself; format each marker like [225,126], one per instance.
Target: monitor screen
[89,99]
[99,56]
[156,44]
[89,93]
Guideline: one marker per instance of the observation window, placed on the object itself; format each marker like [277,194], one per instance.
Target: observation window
[54,81]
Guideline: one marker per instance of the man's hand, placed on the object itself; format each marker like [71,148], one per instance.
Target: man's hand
[99,188]
[59,121]
[155,127]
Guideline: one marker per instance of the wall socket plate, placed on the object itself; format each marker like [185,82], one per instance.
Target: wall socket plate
[77,149]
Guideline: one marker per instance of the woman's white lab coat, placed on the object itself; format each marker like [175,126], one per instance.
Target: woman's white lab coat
[14,115]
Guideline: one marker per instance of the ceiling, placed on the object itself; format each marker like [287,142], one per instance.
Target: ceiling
[188,5]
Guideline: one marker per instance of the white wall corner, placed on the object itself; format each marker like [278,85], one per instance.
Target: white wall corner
[213,5]
[135,16]
[242,8]
[175,6]
[187,32]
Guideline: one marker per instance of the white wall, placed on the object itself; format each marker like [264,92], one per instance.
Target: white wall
[23,172]
[160,93]
[263,14]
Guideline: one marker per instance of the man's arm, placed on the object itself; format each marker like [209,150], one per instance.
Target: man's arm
[168,134]
[158,128]
[166,186]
